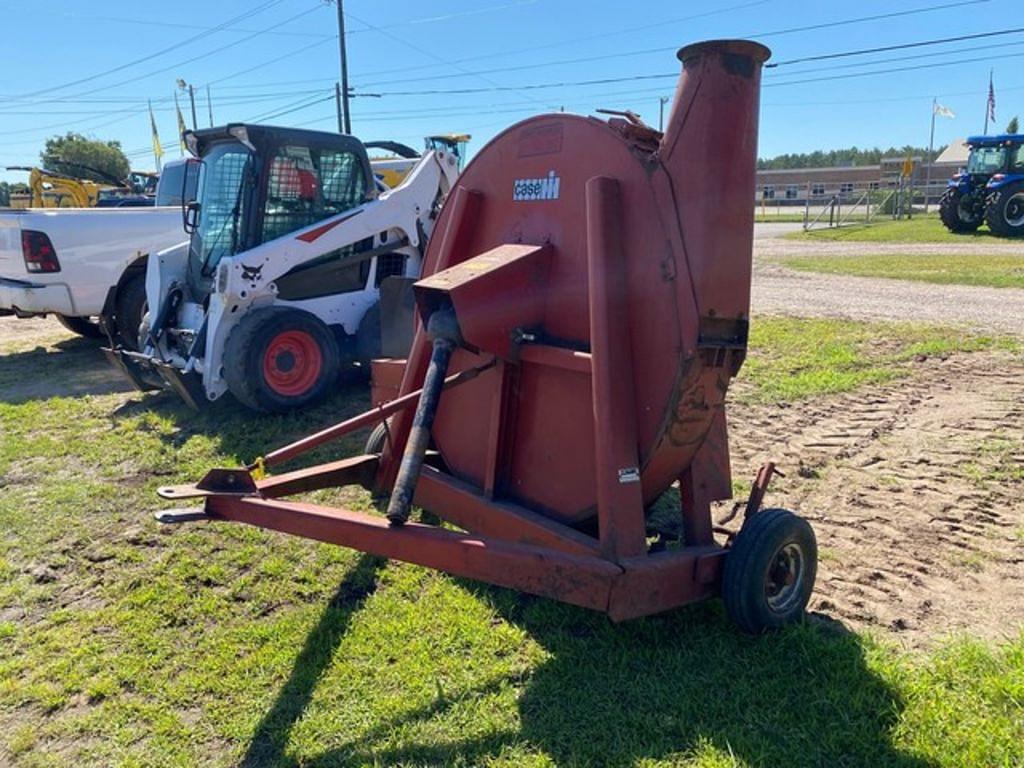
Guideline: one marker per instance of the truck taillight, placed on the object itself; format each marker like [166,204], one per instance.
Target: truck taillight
[38,252]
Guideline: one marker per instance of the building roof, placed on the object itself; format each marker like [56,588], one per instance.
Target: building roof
[954,154]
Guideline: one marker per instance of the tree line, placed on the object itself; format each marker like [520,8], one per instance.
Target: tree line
[843,157]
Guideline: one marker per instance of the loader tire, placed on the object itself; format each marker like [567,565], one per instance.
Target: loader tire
[769,571]
[129,308]
[957,213]
[83,326]
[279,359]
[1004,213]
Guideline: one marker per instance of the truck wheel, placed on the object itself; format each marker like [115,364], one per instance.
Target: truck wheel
[83,326]
[280,359]
[1005,211]
[769,571]
[129,307]
[958,211]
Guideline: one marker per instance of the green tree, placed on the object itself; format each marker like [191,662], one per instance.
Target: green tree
[842,157]
[74,155]
[5,194]
[1013,126]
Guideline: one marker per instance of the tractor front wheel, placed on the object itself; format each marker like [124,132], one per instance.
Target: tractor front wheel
[769,571]
[280,360]
[959,212]
[1005,211]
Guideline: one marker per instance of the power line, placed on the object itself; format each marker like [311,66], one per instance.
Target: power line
[662,49]
[127,65]
[892,70]
[886,48]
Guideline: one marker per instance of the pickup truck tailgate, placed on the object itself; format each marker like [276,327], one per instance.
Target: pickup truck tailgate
[11,262]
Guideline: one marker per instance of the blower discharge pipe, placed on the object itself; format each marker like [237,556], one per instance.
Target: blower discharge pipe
[443,329]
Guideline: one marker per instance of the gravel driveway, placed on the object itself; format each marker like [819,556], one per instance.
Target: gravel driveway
[778,290]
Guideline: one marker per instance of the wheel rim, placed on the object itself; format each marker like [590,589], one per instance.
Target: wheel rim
[1015,210]
[292,363]
[784,580]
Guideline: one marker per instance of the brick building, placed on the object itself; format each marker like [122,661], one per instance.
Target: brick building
[792,186]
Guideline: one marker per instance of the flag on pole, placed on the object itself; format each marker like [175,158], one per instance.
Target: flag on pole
[942,111]
[158,150]
[991,99]
[181,125]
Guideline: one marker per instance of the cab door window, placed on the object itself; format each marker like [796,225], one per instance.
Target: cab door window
[306,185]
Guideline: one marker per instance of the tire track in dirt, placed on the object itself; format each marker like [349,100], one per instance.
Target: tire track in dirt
[913,493]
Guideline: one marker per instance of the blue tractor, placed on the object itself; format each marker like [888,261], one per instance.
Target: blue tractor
[990,190]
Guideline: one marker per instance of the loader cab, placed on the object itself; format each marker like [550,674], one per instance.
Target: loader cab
[258,183]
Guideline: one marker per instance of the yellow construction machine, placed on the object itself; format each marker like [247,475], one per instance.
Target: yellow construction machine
[394,166]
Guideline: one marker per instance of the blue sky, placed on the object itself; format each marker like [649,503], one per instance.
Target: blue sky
[277,60]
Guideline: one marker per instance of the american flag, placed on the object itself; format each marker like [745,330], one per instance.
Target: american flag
[991,99]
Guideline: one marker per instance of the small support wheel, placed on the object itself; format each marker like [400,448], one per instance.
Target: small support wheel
[769,571]
[375,442]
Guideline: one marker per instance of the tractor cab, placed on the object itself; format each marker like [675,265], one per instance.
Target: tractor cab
[258,183]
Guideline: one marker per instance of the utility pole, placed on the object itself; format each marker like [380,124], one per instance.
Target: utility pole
[344,68]
[192,99]
[209,104]
[662,101]
[337,105]
[931,148]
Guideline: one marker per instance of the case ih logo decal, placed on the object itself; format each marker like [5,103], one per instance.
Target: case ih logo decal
[536,189]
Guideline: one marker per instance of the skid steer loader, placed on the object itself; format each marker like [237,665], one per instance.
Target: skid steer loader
[298,262]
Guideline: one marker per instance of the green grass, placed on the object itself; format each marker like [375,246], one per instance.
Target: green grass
[798,358]
[995,271]
[778,218]
[920,229]
[126,644]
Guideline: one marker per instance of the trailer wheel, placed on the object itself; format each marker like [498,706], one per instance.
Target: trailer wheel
[958,211]
[1005,211]
[129,307]
[375,442]
[280,360]
[769,571]
[83,326]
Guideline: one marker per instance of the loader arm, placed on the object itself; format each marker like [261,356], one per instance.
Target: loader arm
[396,221]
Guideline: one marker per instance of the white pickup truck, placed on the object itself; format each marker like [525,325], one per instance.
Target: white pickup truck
[87,266]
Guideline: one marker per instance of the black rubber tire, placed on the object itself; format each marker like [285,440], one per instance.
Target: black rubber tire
[953,216]
[368,336]
[755,551]
[129,307]
[83,326]
[375,442]
[247,346]
[1004,213]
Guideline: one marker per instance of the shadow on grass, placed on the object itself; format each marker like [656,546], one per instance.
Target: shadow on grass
[71,368]
[666,687]
[271,735]
[246,434]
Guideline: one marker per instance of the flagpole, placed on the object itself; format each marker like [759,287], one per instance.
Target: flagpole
[931,154]
[988,102]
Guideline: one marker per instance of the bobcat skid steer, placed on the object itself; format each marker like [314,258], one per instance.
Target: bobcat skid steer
[298,263]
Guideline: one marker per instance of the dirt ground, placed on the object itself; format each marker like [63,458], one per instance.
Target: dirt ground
[910,492]
[909,487]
